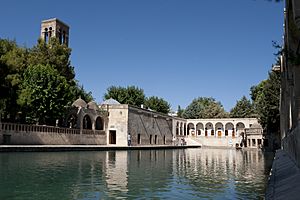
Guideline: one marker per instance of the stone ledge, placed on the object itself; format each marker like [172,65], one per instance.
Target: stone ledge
[56,148]
[284,179]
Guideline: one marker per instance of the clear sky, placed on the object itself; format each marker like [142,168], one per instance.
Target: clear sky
[174,49]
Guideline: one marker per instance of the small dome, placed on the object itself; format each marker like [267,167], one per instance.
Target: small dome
[110,102]
[93,105]
[79,103]
[256,125]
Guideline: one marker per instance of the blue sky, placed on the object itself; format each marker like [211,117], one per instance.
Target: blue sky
[175,49]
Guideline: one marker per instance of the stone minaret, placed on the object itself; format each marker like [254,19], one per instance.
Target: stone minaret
[55,28]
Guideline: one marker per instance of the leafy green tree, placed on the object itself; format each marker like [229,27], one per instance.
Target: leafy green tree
[265,97]
[54,54]
[79,91]
[13,62]
[126,95]
[204,107]
[179,111]
[242,109]
[44,94]
[158,104]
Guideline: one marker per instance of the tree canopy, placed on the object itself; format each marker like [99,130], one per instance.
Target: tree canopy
[265,97]
[204,107]
[19,95]
[44,94]
[242,109]
[126,95]
[180,111]
[157,104]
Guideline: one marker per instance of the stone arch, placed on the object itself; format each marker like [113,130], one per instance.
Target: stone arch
[229,128]
[177,128]
[219,127]
[181,129]
[46,35]
[240,127]
[72,121]
[99,125]
[190,128]
[199,128]
[87,122]
[209,129]
[50,32]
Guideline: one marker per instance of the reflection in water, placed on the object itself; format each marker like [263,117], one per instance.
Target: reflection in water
[163,174]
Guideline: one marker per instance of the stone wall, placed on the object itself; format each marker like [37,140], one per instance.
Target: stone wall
[218,141]
[291,144]
[40,135]
[290,82]
[149,128]
[36,138]
[118,121]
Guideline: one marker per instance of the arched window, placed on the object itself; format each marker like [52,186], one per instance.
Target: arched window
[199,128]
[87,123]
[190,127]
[99,124]
[72,121]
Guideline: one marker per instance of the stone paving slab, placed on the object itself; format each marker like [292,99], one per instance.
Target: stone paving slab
[46,148]
[284,180]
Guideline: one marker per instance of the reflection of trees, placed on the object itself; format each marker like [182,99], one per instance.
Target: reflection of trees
[251,179]
[191,173]
[203,171]
[49,175]
[224,173]
[153,167]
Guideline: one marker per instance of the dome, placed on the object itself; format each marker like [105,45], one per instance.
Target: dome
[93,105]
[256,125]
[110,102]
[79,103]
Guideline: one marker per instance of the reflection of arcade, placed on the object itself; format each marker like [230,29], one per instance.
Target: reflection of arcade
[212,169]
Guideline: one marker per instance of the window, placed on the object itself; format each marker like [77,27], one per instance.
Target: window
[139,138]
[253,142]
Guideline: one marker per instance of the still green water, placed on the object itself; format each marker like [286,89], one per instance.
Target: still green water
[146,174]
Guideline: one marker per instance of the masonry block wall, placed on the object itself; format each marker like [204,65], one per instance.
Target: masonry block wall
[149,128]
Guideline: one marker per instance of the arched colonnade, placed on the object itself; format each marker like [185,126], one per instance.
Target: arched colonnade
[227,127]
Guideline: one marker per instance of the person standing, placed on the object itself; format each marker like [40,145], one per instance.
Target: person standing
[129,139]
[174,140]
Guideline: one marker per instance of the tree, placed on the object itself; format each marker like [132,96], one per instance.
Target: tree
[157,104]
[242,109]
[126,95]
[13,62]
[179,111]
[44,94]
[79,91]
[265,97]
[54,54]
[204,107]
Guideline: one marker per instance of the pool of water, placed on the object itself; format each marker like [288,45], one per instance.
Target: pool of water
[137,174]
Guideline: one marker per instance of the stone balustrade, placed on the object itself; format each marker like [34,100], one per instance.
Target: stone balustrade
[11,127]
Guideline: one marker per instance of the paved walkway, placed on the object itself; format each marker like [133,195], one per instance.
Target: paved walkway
[284,180]
[16,148]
